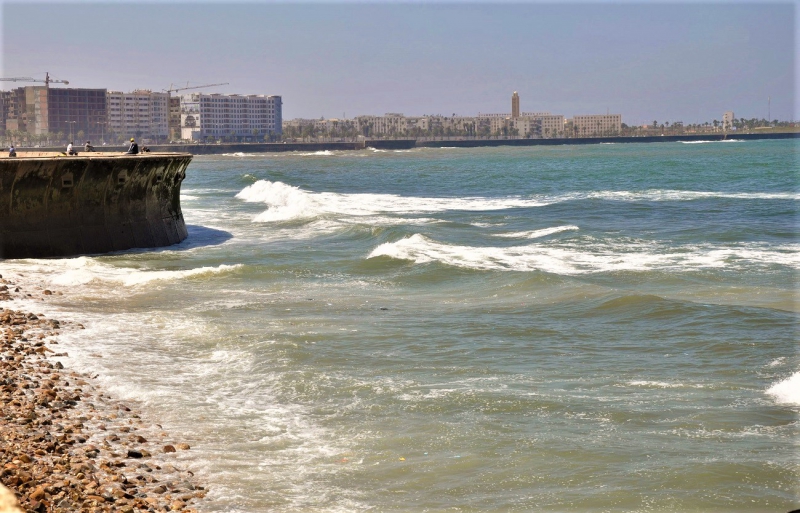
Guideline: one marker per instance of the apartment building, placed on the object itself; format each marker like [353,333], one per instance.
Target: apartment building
[42,110]
[174,122]
[141,114]
[727,120]
[529,124]
[243,117]
[597,124]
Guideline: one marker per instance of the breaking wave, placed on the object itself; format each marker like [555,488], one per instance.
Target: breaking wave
[787,391]
[536,234]
[582,259]
[287,202]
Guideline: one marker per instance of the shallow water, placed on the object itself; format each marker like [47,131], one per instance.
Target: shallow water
[585,328]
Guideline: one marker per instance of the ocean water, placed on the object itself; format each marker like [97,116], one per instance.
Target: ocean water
[584,328]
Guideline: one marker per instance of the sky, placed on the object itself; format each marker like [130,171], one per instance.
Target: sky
[679,61]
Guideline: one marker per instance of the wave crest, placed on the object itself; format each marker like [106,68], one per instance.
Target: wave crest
[787,391]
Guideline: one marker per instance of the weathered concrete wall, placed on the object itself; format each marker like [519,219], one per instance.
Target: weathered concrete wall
[61,206]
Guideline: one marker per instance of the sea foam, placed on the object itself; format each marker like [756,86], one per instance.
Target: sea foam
[83,270]
[287,202]
[535,234]
[581,258]
[787,391]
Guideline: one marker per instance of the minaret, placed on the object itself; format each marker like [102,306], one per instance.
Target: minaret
[514,105]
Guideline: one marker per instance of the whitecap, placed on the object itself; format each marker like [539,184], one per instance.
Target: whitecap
[288,202]
[535,234]
[787,391]
[570,259]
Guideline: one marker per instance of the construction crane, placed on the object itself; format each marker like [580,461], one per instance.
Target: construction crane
[47,80]
[171,90]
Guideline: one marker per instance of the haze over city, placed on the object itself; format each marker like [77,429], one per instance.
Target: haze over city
[668,62]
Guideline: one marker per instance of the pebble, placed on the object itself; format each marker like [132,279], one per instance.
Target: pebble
[65,446]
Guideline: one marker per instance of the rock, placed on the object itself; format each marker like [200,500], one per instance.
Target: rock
[37,495]
[134,453]
[183,447]
[169,448]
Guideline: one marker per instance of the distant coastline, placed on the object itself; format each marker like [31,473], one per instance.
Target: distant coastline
[457,142]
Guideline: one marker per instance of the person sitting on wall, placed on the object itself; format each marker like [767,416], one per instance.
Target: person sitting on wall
[12,151]
[88,146]
[145,149]
[71,149]
[133,149]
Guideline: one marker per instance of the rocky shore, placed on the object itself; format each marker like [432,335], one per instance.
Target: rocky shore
[66,446]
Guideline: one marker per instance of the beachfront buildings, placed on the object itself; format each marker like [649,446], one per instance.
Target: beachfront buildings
[727,120]
[142,114]
[36,111]
[528,124]
[597,125]
[232,116]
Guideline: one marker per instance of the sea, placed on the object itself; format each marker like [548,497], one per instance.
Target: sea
[608,327]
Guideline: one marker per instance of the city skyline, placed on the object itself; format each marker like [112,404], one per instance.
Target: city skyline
[668,62]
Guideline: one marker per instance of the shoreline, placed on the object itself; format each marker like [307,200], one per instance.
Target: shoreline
[67,445]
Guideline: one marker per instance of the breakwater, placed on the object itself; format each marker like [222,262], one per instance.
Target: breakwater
[52,205]
[476,143]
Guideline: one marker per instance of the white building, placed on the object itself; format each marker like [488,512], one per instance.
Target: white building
[530,124]
[597,124]
[250,117]
[727,120]
[141,114]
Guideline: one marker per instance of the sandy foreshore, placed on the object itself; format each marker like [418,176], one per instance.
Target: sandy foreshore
[65,445]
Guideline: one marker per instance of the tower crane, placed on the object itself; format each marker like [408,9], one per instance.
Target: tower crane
[47,80]
[171,90]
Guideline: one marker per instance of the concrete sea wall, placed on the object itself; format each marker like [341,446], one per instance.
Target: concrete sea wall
[53,205]
[475,143]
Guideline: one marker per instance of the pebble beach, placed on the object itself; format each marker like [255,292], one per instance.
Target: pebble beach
[66,445]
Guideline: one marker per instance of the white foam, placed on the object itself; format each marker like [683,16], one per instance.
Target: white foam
[677,195]
[69,272]
[324,153]
[787,391]
[288,202]
[706,142]
[661,384]
[535,234]
[579,258]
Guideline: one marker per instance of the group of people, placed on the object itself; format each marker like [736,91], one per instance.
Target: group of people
[133,149]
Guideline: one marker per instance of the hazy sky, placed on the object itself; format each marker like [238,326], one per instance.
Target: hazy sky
[667,62]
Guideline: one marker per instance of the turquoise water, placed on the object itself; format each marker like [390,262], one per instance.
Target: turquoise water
[587,328]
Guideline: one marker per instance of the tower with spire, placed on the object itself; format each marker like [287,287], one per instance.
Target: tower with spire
[515,105]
